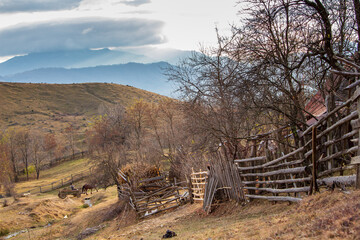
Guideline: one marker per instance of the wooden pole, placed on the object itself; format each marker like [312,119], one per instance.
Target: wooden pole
[313,187]
[357,181]
[188,180]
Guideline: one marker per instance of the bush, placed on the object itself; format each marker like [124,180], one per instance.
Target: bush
[4,232]
[84,206]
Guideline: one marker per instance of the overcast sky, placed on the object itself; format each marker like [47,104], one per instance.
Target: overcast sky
[48,25]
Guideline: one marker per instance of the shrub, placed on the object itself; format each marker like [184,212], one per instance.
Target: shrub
[4,232]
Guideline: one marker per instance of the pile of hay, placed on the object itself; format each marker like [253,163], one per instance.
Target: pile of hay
[136,172]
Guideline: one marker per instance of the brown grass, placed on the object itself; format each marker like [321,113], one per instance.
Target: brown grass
[55,174]
[329,215]
[51,107]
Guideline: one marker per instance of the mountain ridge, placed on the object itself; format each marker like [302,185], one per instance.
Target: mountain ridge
[149,77]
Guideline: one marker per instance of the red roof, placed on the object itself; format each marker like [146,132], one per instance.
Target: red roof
[316,107]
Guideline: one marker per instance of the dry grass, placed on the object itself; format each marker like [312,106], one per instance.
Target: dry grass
[34,213]
[323,216]
[55,174]
[51,107]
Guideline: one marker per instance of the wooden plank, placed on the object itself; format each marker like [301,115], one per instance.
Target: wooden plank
[198,178]
[275,198]
[284,157]
[355,160]
[338,154]
[338,123]
[198,173]
[277,172]
[285,190]
[334,170]
[307,179]
[331,142]
[152,179]
[263,158]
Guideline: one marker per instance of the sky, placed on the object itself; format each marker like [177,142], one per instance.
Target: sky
[51,25]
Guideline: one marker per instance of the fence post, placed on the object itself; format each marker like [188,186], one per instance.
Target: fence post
[357,182]
[188,180]
[40,189]
[72,180]
[313,186]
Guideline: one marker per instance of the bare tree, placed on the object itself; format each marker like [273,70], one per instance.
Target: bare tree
[10,136]
[70,134]
[37,151]
[211,83]
[23,143]
[107,143]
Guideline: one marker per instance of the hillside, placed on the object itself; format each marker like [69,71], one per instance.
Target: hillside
[51,107]
[145,76]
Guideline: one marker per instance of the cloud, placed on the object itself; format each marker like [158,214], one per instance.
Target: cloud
[9,6]
[83,33]
[135,2]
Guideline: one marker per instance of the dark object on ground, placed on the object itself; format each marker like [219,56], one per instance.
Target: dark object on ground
[64,192]
[169,234]
[1,196]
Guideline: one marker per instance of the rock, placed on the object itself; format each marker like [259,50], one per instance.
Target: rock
[169,234]
[89,231]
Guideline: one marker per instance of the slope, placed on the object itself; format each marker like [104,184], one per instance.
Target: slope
[52,107]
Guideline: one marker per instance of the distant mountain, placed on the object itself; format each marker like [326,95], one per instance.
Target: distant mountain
[149,77]
[88,58]
[67,59]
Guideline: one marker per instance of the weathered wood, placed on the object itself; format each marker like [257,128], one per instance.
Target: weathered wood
[159,205]
[313,185]
[334,170]
[295,180]
[344,180]
[275,198]
[261,158]
[277,172]
[354,84]
[338,154]
[198,178]
[285,190]
[339,123]
[331,142]
[357,181]
[161,210]
[295,162]
[152,179]
[335,125]
[198,173]
[283,157]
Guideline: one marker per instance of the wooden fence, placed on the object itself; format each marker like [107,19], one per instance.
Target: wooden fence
[58,184]
[151,196]
[327,149]
[198,181]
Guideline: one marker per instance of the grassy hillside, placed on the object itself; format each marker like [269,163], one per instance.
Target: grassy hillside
[51,107]
[55,174]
